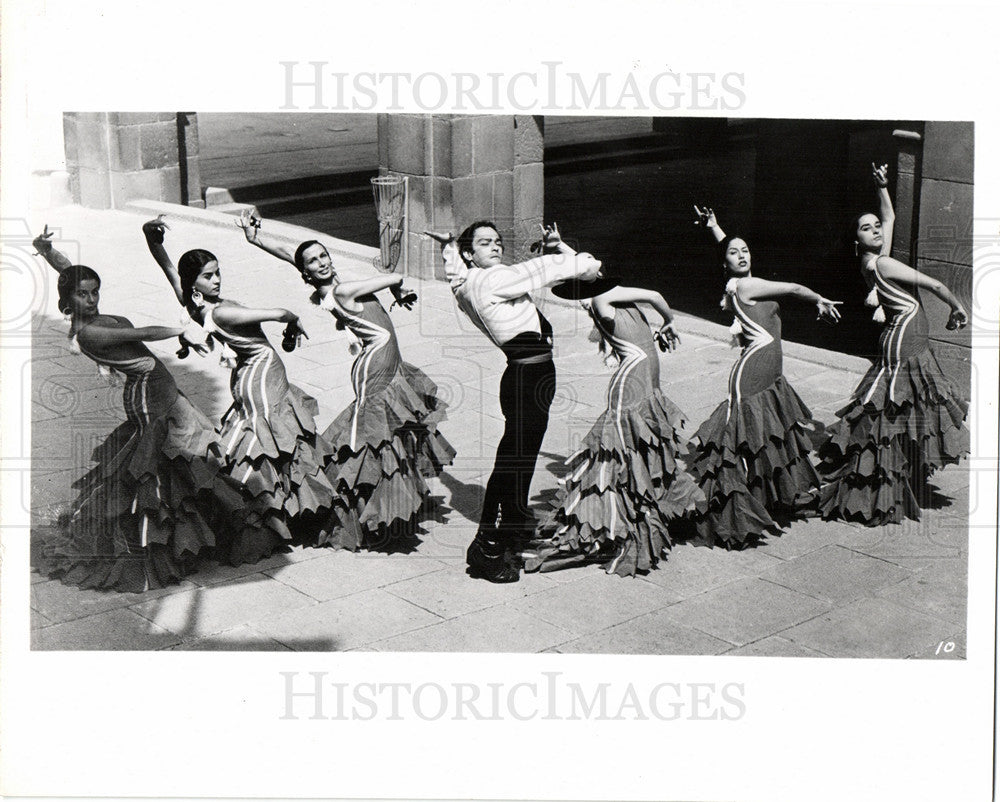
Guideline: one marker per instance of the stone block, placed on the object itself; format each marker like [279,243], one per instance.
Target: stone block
[405,144]
[958,279]
[836,574]
[906,163]
[94,188]
[70,143]
[441,214]
[143,184]
[92,145]
[492,143]
[125,151]
[140,117]
[903,231]
[461,147]
[472,198]
[503,195]
[946,215]
[170,184]
[529,191]
[949,151]
[441,148]
[529,140]
[159,145]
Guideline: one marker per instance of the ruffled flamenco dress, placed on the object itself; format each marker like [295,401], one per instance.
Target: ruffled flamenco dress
[752,459]
[158,497]
[626,483]
[386,440]
[905,420]
[271,446]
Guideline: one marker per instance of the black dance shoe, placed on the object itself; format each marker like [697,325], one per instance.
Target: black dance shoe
[488,561]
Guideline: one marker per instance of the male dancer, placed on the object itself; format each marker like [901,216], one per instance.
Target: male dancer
[496,299]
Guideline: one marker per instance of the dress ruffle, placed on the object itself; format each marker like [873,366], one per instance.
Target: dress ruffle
[154,502]
[280,460]
[881,452]
[752,463]
[384,452]
[621,492]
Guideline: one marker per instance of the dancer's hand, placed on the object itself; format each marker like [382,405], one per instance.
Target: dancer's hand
[292,336]
[588,268]
[194,336]
[827,310]
[155,230]
[551,238]
[250,221]
[404,297]
[667,337]
[43,242]
[958,319]
[705,216]
[881,175]
[443,239]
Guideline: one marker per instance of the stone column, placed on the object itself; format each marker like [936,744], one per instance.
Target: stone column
[114,158]
[463,168]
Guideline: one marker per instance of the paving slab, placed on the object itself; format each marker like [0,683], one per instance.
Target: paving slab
[113,630]
[746,611]
[60,603]
[804,536]
[207,611]
[773,646]
[451,592]
[870,628]
[501,629]
[595,602]
[239,639]
[837,575]
[346,623]
[940,590]
[653,633]
[213,573]
[690,570]
[342,573]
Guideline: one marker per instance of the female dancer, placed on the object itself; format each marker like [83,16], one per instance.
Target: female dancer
[157,497]
[386,441]
[625,483]
[269,433]
[752,460]
[905,419]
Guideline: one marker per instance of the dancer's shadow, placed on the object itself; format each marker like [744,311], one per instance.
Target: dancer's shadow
[466,499]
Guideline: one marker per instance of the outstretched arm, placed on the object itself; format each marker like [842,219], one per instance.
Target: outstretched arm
[155,231]
[706,218]
[99,336]
[251,223]
[895,270]
[349,290]
[754,289]
[43,244]
[885,213]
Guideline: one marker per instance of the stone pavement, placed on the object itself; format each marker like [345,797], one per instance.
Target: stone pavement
[821,589]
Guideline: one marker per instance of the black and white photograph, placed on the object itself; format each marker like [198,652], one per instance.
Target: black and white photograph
[464,410]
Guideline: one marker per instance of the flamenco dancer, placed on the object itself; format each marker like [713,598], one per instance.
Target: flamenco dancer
[752,459]
[495,297]
[158,496]
[905,419]
[269,439]
[386,441]
[625,483]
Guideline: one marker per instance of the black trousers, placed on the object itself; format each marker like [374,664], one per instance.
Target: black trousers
[526,392]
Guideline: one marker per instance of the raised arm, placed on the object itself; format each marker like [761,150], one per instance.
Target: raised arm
[885,213]
[155,231]
[706,218]
[895,270]
[756,289]
[666,336]
[513,281]
[251,223]
[43,244]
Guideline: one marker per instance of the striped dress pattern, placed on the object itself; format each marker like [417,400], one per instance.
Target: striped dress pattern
[752,459]
[386,441]
[905,420]
[627,481]
[157,497]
